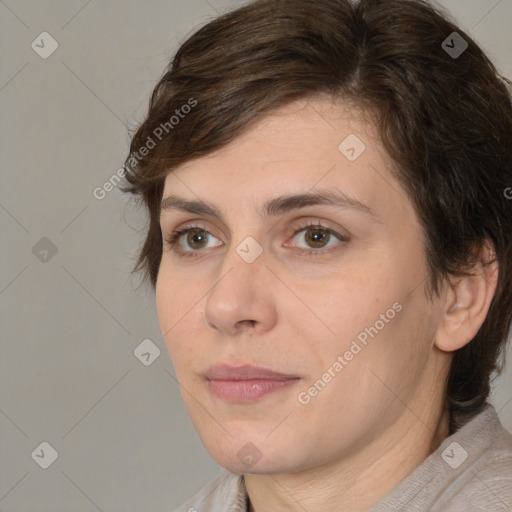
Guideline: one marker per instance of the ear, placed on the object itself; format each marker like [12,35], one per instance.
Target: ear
[467,301]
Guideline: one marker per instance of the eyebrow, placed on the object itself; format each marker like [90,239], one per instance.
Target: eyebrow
[272,207]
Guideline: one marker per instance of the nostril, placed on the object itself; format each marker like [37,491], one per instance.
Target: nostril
[250,323]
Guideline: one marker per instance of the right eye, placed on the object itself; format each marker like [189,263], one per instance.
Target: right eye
[196,239]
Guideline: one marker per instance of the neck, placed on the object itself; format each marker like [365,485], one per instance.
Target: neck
[359,482]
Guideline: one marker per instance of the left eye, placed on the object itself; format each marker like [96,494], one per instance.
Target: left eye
[317,237]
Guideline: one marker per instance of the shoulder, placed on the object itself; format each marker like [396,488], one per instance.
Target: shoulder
[224,493]
[470,471]
[485,478]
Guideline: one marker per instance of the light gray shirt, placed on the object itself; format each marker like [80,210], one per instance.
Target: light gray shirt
[470,472]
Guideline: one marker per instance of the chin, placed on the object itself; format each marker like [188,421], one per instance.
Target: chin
[256,457]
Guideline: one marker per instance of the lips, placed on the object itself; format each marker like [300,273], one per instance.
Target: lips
[246,372]
[246,383]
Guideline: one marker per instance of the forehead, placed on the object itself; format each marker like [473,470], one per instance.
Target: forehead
[293,149]
[297,129]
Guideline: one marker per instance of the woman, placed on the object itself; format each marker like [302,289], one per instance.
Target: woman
[330,246]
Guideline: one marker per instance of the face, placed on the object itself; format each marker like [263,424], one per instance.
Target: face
[310,264]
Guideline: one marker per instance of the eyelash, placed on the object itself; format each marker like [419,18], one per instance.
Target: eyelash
[175,235]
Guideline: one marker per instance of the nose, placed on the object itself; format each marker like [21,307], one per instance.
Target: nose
[242,299]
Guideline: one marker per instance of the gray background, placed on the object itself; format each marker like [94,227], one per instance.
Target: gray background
[72,320]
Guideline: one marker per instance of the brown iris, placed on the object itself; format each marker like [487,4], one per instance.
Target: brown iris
[316,237]
[196,238]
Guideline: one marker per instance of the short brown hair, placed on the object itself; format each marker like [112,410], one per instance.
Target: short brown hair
[445,119]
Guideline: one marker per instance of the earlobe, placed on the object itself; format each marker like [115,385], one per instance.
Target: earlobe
[467,303]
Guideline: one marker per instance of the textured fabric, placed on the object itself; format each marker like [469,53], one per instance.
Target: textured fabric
[470,472]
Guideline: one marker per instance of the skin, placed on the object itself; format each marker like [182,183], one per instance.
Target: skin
[295,313]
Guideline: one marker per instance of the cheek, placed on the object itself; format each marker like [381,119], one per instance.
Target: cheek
[374,378]
[397,355]
[346,305]
[375,317]
[178,315]
[165,297]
